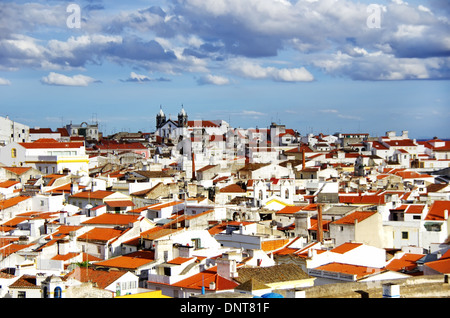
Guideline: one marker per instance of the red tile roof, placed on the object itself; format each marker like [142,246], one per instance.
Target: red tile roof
[407,262]
[412,175]
[437,211]
[51,143]
[441,265]
[65,188]
[201,123]
[401,143]
[112,219]
[13,248]
[102,278]
[99,194]
[203,279]
[119,203]
[355,216]
[17,170]
[325,225]
[410,208]
[362,199]
[359,271]
[100,235]
[290,209]
[130,261]
[344,248]
[232,188]
[8,183]
[4,204]
[25,281]
[180,260]
[159,206]
[65,257]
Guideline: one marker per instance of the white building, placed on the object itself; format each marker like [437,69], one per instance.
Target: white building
[11,131]
[47,155]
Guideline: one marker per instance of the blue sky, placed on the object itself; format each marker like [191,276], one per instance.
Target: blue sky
[313,65]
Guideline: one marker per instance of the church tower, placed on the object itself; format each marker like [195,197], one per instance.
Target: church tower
[182,118]
[160,118]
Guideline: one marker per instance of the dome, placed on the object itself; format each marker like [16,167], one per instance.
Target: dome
[161,113]
[182,112]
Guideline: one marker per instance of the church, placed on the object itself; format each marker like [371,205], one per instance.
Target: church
[173,129]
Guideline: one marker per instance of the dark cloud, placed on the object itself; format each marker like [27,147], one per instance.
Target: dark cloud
[135,49]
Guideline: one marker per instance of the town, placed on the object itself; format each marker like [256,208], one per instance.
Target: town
[200,209]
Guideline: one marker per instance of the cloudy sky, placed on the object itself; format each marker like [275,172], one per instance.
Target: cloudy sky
[314,65]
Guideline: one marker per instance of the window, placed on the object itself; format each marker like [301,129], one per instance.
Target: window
[58,292]
[22,294]
[13,153]
[197,243]
[404,235]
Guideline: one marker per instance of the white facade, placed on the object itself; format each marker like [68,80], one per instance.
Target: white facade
[47,159]
[11,131]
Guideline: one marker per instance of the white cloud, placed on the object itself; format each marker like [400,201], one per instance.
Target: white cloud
[251,113]
[139,78]
[328,110]
[197,36]
[213,79]
[254,71]
[4,81]
[63,80]
[134,77]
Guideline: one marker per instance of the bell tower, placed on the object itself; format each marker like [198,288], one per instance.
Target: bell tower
[182,118]
[160,118]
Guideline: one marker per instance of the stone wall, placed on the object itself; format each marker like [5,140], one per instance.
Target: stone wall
[428,286]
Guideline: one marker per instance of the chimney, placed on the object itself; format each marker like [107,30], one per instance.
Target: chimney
[319,224]
[74,187]
[226,267]
[303,159]
[193,165]
[63,217]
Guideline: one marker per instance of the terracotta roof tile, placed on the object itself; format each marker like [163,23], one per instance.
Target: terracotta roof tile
[25,281]
[130,261]
[100,235]
[99,194]
[17,170]
[4,204]
[119,203]
[344,248]
[359,271]
[355,216]
[113,219]
[180,260]
[437,211]
[43,144]
[204,278]
[8,183]
[232,188]
[441,265]
[407,262]
[102,278]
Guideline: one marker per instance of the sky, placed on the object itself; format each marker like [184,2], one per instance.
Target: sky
[317,66]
